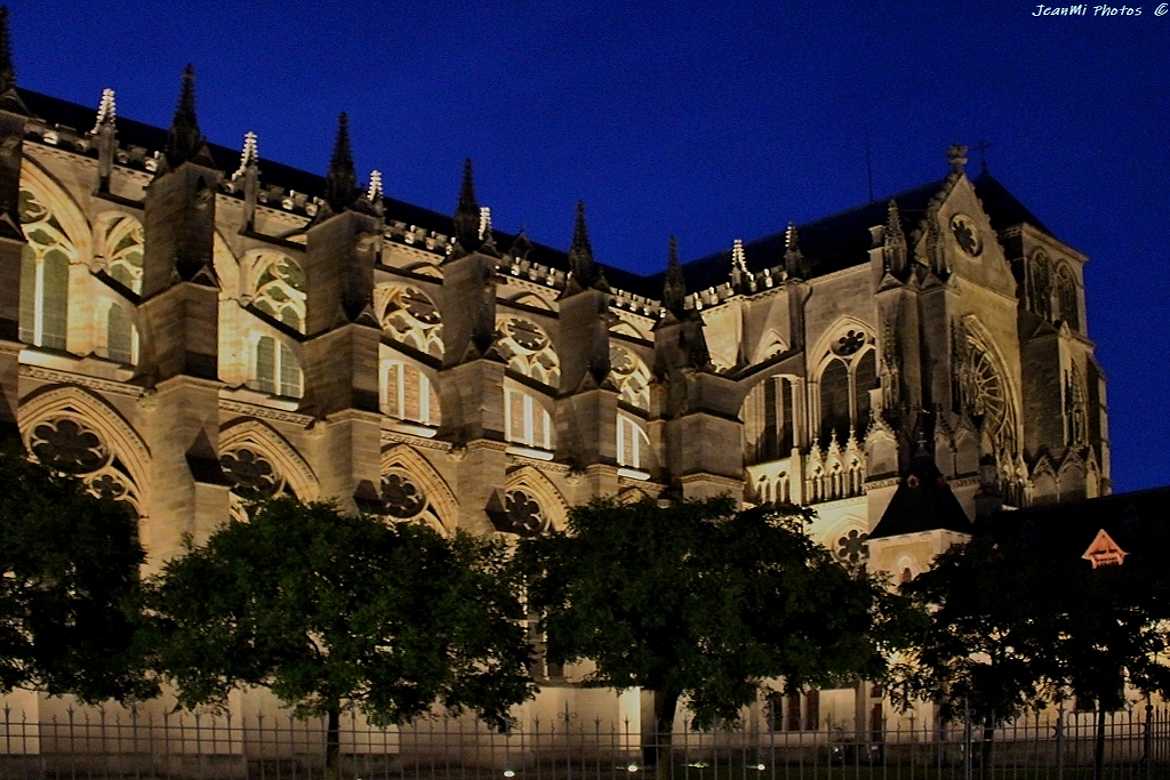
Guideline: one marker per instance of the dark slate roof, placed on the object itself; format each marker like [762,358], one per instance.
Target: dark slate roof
[1138,522]
[923,501]
[830,243]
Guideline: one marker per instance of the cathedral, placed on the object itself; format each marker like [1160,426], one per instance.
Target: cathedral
[183,324]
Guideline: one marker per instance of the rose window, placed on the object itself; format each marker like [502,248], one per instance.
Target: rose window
[523,515]
[849,343]
[250,473]
[413,319]
[528,350]
[853,547]
[402,497]
[66,445]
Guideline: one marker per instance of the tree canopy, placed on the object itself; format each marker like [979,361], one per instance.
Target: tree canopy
[701,601]
[69,587]
[332,611]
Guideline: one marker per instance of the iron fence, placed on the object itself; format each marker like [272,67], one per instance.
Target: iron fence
[94,746]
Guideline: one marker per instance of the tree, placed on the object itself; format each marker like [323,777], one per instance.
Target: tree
[702,602]
[69,587]
[981,651]
[333,612]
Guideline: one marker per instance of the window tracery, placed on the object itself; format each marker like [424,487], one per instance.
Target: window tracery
[276,369]
[981,391]
[848,371]
[68,445]
[631,376]
[125,243]
[280,289]
[1066,296]
[408,394]
[44,276]
[413,319]
[853,547]
[523,515]
[528,350]
[1041,286]
[251,474]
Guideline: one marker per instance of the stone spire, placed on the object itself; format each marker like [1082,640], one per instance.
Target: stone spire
[674,287]
[341,188]
[249,155]
[107,111]
[9,98]
[793,257]
[467,216]
[185,143]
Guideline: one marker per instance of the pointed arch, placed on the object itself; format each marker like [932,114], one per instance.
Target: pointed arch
[632,495]
[54,196]
[837,330]
[532,481]
[265,440]
[980,337]
[527,298]
[82,406]
[440,499]
[624,328]
[769,345]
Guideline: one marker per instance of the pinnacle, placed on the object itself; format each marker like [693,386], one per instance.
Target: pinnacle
[341,180]
[7,72]
[467,214]
[674,289]
[184,141]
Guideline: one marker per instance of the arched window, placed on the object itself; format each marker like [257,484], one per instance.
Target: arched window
[848,373]
[768,420]
[835,402]
[121,336]
[276,369]
[68,444]
[633,445]
[864,379]
[523,515]
[44,275]
[1041,286]
[407,394]
[412,319]
[280,289]
[528,350]
[1066,295]
[526,421]
[631,377]
[124,246]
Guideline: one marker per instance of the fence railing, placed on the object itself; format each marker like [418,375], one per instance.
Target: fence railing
[183,745]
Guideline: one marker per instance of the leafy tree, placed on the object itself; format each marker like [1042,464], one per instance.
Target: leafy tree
[702,602]
[981,649]
[333,612]
[1110,630]
[69,587]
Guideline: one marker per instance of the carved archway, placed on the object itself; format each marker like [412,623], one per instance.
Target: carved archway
[436,503]
[533,482]
[261,439]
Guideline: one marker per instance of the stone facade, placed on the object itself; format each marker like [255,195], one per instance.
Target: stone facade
[181,331]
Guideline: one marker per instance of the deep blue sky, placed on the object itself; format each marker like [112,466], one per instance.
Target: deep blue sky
[710,120]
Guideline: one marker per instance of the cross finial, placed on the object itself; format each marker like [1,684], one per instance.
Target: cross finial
[249,154]
[107,111]
[957,157]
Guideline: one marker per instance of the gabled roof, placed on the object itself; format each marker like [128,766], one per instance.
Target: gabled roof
[923,501]
[830,243]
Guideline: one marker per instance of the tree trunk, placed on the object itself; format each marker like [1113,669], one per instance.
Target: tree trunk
[656,745]
[987,748]
[1099,747]
[332,741]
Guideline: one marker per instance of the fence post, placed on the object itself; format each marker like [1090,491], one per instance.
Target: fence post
[966,740]
[1060,741]
[1148,739]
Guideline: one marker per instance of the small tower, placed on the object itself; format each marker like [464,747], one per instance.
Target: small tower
[467,216]
[674,285]
[105,137]
[249,174]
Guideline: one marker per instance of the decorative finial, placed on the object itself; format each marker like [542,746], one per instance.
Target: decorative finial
[485,223]
[107,111]
[374,190]
[791,239]
[467,215]
[249,155]
[7,72]
[893,223]
[957,158]
[341,185]
[738,257]
[674,288]
[794,264]
[184,141]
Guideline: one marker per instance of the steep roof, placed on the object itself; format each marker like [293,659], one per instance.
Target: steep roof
[923,501]
[831,243]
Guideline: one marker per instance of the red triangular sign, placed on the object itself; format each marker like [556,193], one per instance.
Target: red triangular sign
[1104,551]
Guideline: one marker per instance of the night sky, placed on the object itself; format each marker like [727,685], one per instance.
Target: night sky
[713,121]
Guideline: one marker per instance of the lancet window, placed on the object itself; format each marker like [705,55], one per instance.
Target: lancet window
[276,370]
[848,373]
[407,394]
[633,445]
[1066,298]
[528,350]
[526,421]
[44,275]
[121,337]
[769,420]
